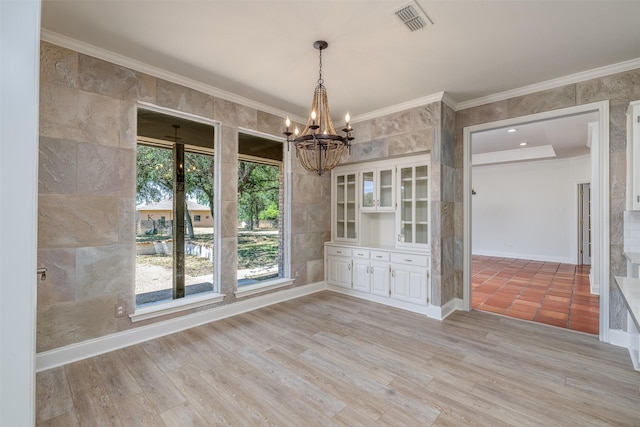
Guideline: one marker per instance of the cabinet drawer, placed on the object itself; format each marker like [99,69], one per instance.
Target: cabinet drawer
[361,253]
[338,251]
[379,256]
[411,259]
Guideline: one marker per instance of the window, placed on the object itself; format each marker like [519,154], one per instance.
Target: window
[175,166]
[260,210]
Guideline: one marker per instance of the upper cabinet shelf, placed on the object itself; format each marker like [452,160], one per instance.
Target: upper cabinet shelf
[384,203]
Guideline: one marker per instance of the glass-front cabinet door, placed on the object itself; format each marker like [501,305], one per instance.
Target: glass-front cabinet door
[413,205]
[345,207]
[368,194]
[377,190]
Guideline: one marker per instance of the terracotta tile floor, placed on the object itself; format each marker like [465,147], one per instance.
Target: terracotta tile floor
[546,292]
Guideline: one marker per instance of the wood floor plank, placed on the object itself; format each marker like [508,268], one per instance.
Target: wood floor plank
[68,419]
[158,388]
[332,360]
[202,397]
[137,411]
[52,394]
[92,403]
[183,416]
[363,403]
[116,376]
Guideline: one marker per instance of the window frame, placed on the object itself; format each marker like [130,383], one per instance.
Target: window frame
[285,166]
[173,305]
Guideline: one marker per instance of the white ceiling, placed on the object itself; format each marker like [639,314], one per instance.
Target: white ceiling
[567,135]
[262,49]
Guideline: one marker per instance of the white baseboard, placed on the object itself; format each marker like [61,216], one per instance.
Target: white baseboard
[74,352]
[619,338]
[531,257]
[415,308]
[594,287]
[441,313]
[431,311]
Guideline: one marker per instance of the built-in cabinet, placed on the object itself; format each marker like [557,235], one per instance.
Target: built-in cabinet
[398,275]
[380,234]
[633,155]
[377,189]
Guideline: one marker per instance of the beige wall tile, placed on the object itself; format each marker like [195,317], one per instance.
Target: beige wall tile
[269,123]
[235,115]
[72,322]
[107,171]
[58,65]
[546,100]
[74,221]
[184,99]
[67,113]
[60,283]
[57,167]
[105,270]
[105,78]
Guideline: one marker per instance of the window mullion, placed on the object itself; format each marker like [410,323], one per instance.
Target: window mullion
[178,221]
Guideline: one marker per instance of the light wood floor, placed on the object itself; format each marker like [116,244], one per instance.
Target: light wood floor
[330,359]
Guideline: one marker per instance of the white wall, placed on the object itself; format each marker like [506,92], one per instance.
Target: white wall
[19,59]
[528,210]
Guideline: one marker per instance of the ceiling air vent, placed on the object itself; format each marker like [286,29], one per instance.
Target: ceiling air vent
[413,17]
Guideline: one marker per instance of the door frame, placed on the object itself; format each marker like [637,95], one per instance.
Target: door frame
[580,212]
[599,196]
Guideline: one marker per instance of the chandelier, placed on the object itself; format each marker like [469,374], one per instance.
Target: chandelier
[319,147]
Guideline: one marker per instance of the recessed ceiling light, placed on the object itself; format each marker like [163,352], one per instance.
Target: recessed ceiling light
[512,130]
[523,143]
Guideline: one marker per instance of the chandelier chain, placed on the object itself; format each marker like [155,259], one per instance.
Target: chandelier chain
[320,80]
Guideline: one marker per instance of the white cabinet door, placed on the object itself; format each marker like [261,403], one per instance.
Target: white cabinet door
[409,283]
[345,206]
[379,272]
[361,278]
[412,216]
[377,190]
[339,271]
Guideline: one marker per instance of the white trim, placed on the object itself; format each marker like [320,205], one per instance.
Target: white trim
[436,97]
[600,199]
[74,352]
[19,84]
[441,313]
[532,257]
[150,311]
[415,308]
[245,291]
[619,338]
[124,61]
[551,84]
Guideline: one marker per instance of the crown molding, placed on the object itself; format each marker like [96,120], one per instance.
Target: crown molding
[124,61]
[436,97]
[595,73]
[88,49]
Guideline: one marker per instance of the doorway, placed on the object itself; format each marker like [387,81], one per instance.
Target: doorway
[599,191]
